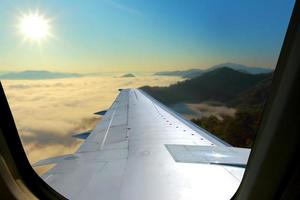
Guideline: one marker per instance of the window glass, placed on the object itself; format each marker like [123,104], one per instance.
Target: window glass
[210,61]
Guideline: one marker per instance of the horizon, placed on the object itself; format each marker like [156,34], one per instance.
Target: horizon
[107,73]
[133,36]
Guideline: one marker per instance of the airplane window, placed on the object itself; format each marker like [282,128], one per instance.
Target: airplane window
[200,73]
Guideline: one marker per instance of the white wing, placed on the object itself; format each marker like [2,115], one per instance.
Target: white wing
[142,150]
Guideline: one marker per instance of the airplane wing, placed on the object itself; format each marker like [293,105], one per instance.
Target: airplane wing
[142,150]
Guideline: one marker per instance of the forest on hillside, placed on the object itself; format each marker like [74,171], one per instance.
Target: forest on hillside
[239,130]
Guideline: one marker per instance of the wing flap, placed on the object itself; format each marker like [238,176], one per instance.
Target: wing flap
[229,156]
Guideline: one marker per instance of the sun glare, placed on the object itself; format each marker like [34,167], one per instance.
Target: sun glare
[34,26]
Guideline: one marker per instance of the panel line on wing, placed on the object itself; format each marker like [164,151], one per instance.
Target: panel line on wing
[204,133]
[106,133]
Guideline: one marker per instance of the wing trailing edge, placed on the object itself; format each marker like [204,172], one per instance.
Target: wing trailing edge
[54,160]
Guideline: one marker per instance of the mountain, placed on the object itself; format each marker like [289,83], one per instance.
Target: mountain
[246,92]
[255,96]
[222,85]
[240,130]
[242,68]
[191,73]
[128,76]
[3,72]
[36,75]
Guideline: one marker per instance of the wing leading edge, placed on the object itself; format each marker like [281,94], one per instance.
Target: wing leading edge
[143,150]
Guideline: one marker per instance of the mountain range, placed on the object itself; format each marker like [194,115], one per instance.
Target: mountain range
[223,84]
[192,73]
[244,92]
[127,76]
[36,75]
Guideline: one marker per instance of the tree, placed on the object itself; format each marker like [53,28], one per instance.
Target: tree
[239,130]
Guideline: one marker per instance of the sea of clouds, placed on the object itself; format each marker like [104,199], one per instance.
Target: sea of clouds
[48,112]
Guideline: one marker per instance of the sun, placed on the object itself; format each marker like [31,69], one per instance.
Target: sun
[34,26]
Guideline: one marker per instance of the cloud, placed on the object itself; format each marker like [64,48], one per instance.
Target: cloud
[45,136]
[207,110]
[48,112]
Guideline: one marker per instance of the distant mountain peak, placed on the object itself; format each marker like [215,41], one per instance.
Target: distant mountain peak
[242,68]
[225,68]
[129,75]
[192,73]
[36,75]
[34,71]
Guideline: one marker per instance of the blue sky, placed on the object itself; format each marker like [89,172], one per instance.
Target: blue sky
[139,35]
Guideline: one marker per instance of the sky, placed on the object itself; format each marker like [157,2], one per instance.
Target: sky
[144,36]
